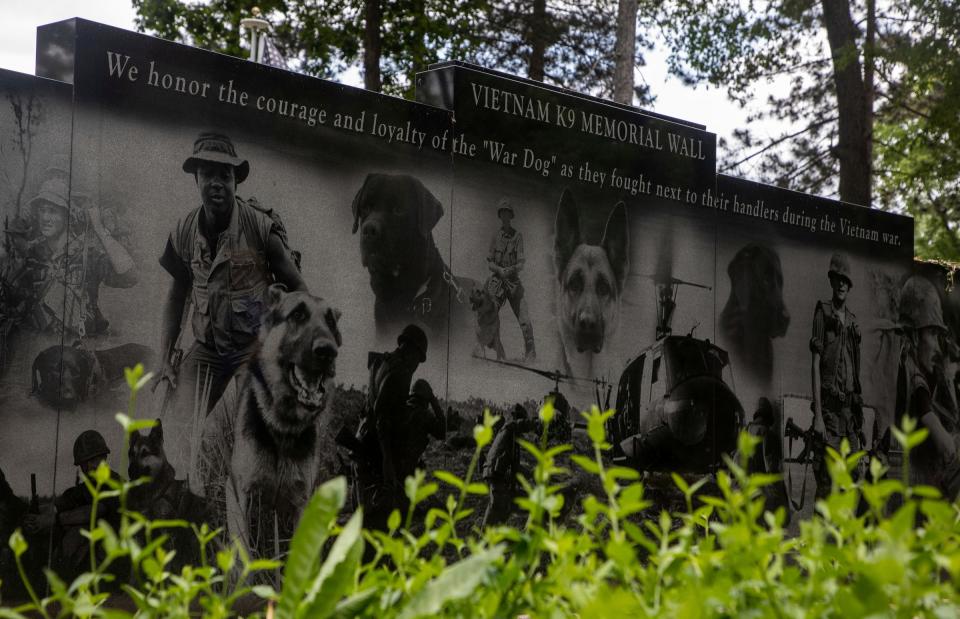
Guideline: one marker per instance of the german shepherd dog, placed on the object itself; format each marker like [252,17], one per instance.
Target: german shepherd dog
[487,311]
[269,442]
[162,496]
[590,281]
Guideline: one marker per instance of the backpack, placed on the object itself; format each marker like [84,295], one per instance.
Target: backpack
[274,216]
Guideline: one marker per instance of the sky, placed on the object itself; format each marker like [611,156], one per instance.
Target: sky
[703,105]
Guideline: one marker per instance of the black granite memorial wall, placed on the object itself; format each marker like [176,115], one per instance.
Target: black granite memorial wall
[260,238]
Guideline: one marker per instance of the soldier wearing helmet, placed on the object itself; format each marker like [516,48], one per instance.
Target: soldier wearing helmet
[69,514]
[505,260]
[835,370]
[923,390]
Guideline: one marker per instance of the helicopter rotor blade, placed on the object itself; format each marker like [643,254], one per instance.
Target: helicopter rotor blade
[554,375]
[659,279]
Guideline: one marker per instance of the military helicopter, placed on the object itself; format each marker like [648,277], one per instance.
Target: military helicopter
[675,412]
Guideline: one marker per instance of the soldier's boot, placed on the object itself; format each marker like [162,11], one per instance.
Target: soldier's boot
[529,349]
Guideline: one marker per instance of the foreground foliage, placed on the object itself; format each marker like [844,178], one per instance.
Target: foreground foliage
[722,556]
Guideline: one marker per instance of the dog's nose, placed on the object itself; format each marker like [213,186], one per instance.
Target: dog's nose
[587,323]
[322,349]
[371,230]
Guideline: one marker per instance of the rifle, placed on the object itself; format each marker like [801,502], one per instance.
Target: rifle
[813,442]
[348,441]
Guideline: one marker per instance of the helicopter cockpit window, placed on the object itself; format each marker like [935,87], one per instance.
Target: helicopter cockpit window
[657,383]
[690,357]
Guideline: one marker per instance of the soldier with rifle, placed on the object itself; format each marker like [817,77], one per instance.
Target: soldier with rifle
[835,371]
[69,514]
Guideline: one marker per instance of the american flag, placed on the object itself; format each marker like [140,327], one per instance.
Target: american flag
[271,55]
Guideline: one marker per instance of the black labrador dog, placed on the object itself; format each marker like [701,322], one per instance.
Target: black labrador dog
[395,215]
[755,312]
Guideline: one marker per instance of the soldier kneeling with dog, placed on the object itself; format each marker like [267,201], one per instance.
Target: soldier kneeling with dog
[69,514]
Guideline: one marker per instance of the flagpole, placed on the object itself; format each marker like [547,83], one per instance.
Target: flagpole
[258,28]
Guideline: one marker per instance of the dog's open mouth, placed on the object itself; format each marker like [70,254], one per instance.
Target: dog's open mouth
[309,388]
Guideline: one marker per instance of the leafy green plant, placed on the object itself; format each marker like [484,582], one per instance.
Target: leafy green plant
[875,547]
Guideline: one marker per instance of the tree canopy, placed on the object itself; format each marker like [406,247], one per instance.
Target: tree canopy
[868,98]
[563,42]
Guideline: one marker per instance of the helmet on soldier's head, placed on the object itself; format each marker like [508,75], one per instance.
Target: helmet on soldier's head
[840,267]
[518,412]
[505,205]
[89,445]
[920,304]
[415,337]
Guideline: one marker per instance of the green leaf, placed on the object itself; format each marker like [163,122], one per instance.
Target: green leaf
[307,543]
[337,572]
[264,592]
[455,583]
[547,411]
[393,521]
[225,560]
[354,605]
[587,464]
[449,478]
[477,488]
[18,544]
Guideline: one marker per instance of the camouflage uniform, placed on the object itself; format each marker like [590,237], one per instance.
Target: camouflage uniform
[836,337]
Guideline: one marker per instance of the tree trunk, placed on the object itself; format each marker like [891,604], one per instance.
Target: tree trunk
[854,123]
[538,40]
[869,72]
[418,44]
[372,47]
[625,51]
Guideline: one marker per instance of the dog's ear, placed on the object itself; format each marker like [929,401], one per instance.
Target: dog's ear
[358,200]
[275,294]
[616,242]
[429,209]
[332,317]
[567,231]
[156,432]
[134,438]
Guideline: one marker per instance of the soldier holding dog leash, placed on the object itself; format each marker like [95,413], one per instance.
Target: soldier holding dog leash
[505,261]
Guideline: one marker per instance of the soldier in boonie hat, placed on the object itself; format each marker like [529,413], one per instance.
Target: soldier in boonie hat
[233,249]
[216,148]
